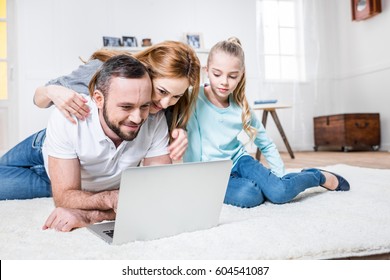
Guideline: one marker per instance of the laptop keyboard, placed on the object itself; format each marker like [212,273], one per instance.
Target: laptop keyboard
[110,233]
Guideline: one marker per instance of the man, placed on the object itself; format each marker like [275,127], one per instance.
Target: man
[85,161]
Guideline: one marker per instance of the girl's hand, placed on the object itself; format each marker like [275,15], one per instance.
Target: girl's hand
[68,102]
[179,145]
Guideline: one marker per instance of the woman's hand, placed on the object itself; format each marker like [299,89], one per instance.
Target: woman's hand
[179,145]
[68,102]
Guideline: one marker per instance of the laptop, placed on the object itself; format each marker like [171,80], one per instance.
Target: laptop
[165,200]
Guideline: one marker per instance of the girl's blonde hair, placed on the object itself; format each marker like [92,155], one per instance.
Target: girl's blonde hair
[168,59]
[232,46]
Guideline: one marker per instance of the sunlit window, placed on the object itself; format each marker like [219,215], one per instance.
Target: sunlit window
[282,39]
[3,50]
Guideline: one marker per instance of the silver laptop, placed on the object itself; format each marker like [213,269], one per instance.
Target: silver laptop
[165,200]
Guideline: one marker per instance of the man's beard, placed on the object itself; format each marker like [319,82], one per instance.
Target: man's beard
[130,136]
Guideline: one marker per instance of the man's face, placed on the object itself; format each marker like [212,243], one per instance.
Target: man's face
[126,107]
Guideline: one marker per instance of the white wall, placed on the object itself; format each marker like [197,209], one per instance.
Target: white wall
[362,79]
[353,67]
[52,34]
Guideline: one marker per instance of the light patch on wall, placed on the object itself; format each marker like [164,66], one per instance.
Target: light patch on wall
[3,80]
[3,50]
[3,8]
[3,40]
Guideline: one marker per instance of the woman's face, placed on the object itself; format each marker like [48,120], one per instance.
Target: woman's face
[166,92]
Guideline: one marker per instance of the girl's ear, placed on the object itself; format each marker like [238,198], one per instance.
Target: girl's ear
[99,98]
[206,70]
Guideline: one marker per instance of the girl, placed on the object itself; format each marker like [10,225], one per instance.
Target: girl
[221,113]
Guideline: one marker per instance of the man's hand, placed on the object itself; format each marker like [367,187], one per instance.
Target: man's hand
[114,199]
[179,145]
[66,219]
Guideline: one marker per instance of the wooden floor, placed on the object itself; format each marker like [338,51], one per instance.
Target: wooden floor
[321,158]
[376,159]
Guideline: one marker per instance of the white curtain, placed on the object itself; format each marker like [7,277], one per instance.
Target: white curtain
[303,95]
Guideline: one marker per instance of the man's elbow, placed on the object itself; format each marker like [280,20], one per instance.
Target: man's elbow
[61,199]
[59,202]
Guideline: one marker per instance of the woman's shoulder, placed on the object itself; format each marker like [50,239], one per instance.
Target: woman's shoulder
[94,63]
[156,118]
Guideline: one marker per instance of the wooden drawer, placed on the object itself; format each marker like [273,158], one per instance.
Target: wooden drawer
[347,131]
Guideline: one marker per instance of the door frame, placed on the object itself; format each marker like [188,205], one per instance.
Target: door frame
[9,108]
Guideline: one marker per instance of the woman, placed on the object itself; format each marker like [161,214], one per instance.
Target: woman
[174,69]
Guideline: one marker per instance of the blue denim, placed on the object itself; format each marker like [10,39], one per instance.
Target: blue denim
[22,170]
[251,183]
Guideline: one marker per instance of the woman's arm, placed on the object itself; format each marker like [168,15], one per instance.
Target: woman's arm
[41,98]
[68,92]
[66,100]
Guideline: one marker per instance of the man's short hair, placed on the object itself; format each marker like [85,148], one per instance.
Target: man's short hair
[124,66]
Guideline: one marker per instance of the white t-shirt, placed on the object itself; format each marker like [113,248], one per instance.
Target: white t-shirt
[101,162]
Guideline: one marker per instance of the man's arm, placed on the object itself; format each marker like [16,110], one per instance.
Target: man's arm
[66,186]
[66,219]
[164,159]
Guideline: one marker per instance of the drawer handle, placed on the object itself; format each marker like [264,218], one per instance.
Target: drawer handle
[358,125]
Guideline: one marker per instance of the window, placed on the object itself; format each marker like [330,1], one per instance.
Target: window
[283,52]
[3,50]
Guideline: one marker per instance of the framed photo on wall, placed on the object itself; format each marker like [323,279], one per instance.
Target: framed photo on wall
[195,40]
[364,9]
[129,41]
[111,41]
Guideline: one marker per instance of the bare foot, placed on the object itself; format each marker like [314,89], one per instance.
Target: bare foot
[331,181]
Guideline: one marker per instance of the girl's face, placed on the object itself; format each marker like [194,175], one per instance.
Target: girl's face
[224,72]
[166,92]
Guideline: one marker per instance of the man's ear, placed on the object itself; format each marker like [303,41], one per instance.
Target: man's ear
[99,98]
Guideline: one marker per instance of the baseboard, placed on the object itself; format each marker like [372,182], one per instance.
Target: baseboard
[308,148]
[385,148]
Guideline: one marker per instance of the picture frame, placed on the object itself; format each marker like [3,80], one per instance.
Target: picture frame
[195,40]
[111,41]
[129,41]
[364,9]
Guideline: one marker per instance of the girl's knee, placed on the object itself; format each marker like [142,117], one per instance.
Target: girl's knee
[244,194]
[279,197]
[243,203]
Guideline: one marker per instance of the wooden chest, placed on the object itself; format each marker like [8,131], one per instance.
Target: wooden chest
[347,131]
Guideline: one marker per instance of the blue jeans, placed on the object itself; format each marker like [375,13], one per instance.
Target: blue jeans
[251,184]
[22,170]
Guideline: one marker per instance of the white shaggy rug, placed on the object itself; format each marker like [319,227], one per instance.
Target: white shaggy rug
[318,224]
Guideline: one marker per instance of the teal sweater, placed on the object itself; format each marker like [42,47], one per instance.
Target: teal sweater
[213,135]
